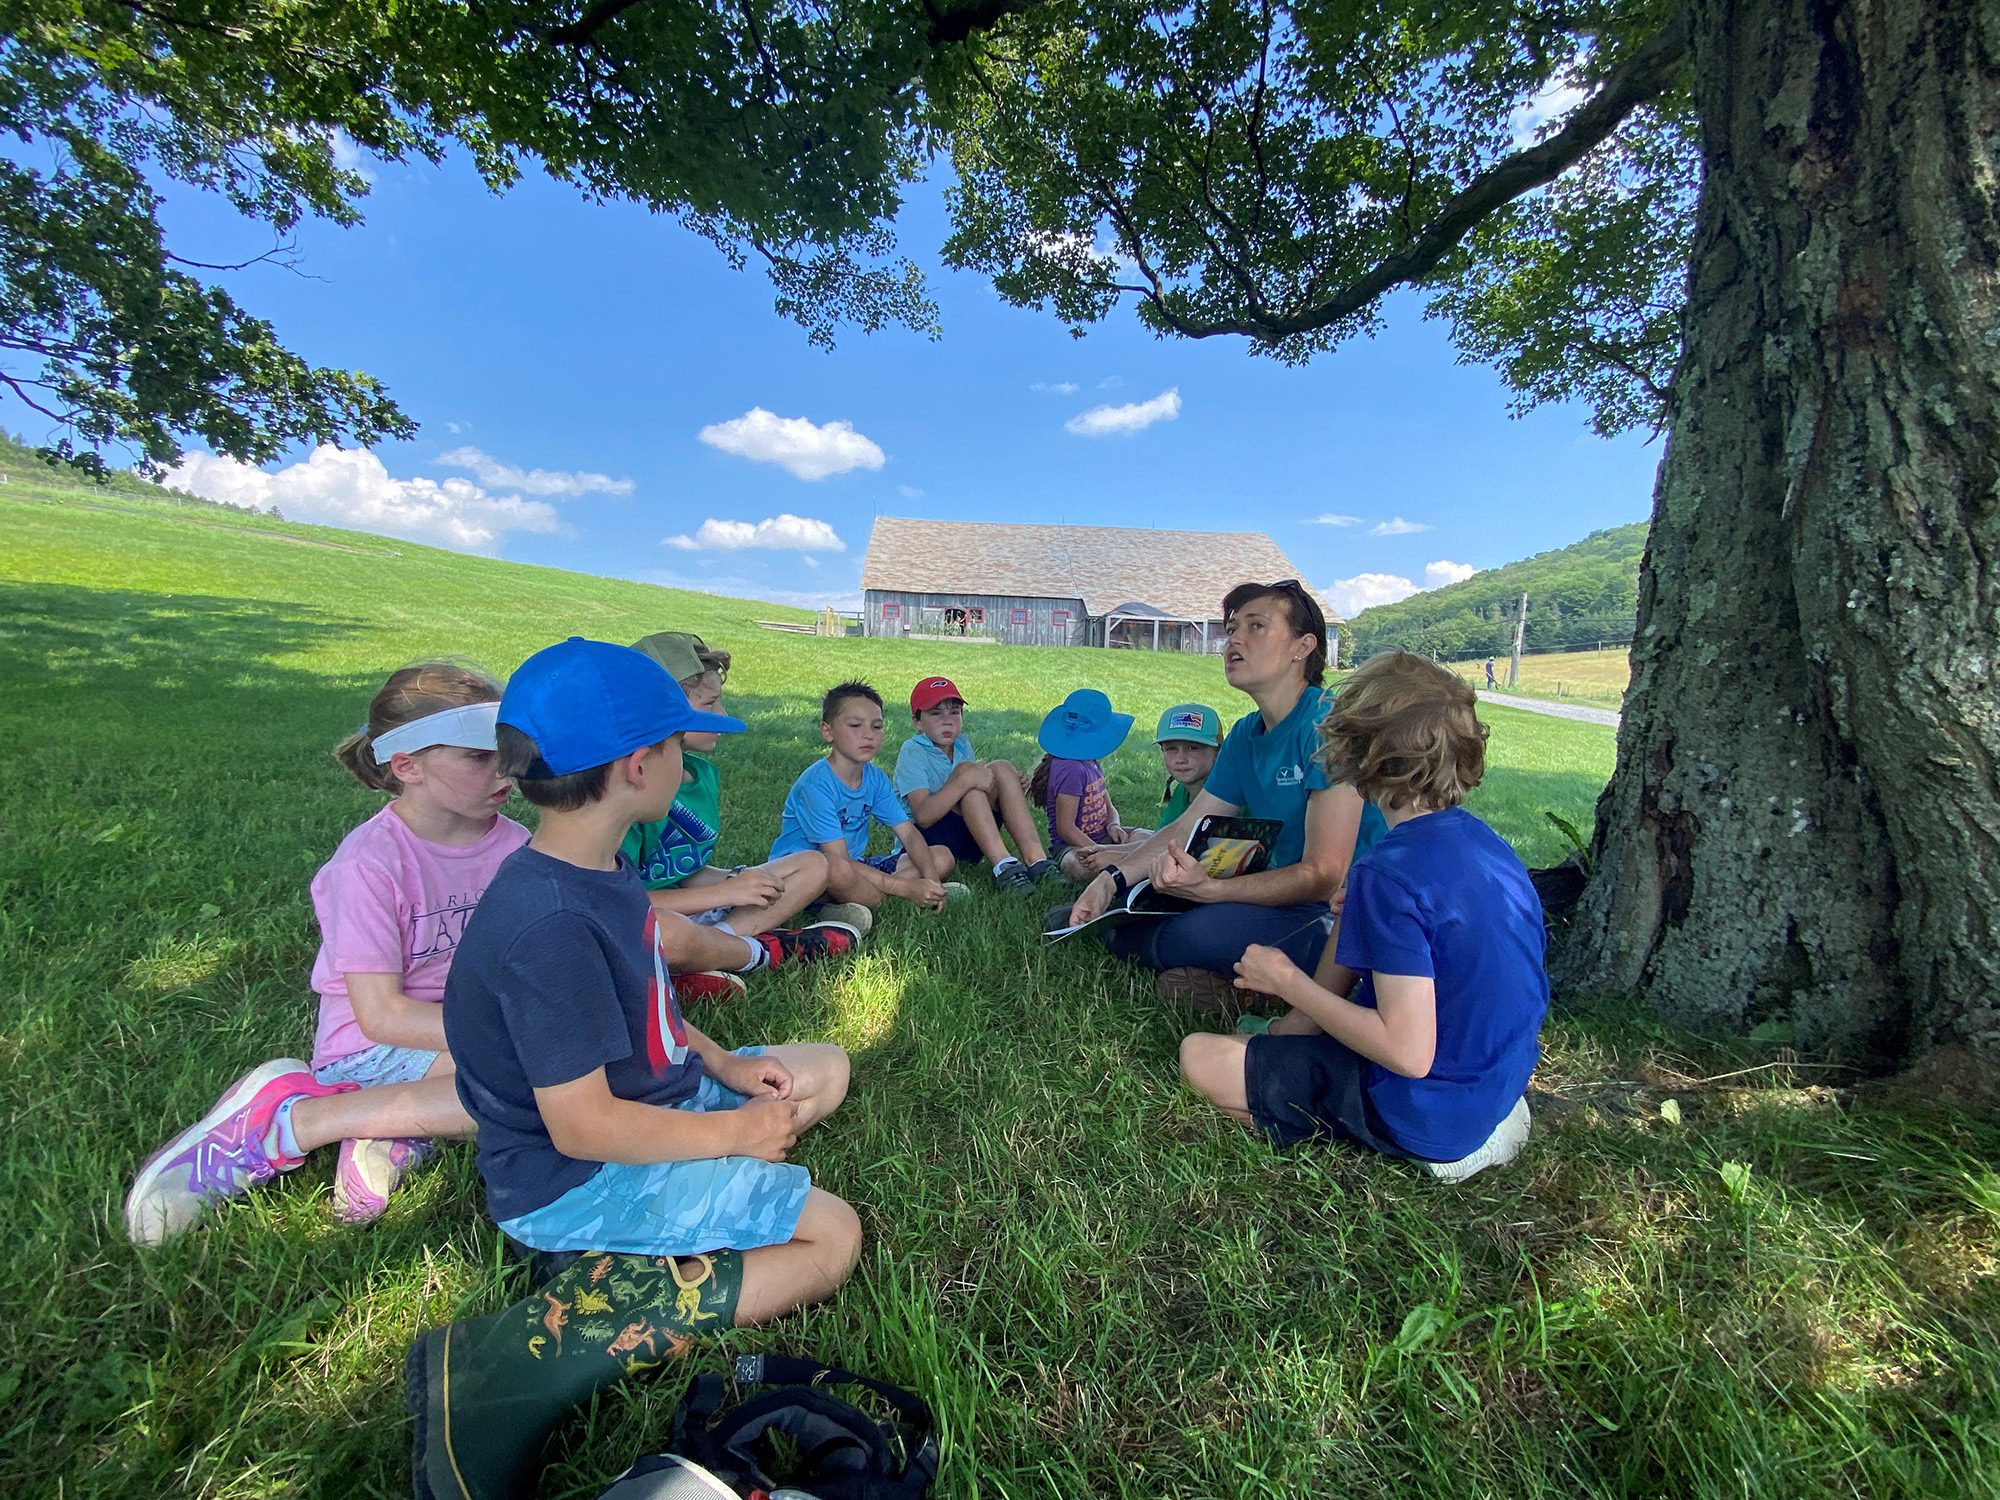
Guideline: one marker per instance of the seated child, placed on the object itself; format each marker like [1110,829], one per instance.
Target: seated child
[830,806]
[673,854]
[606,1121]
[1416,1037]
[1188,737]
[1083,825]
[960,801]
[391,904]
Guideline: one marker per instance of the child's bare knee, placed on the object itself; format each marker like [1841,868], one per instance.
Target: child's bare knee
[1201,1057]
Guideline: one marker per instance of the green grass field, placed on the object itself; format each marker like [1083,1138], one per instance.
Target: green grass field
[1715,1271]
[1596,677]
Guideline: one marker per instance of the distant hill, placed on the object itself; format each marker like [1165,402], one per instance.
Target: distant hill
[1578,595]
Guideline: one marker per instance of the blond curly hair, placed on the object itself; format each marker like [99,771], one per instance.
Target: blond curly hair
[1404,731]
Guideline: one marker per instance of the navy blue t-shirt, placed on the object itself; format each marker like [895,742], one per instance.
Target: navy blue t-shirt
[1443,896]
[552,980]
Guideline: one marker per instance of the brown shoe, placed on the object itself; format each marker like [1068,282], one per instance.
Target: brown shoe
[1204,991]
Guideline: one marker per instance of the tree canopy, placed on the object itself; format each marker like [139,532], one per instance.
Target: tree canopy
[1232,168]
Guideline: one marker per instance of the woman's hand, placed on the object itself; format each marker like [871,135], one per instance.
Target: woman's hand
[1095,900]
[1180,874]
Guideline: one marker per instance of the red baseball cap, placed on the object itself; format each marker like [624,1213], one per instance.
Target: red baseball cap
[931,692]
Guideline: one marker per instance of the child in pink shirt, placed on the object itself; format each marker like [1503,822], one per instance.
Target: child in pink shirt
[1070,784]
[391,903]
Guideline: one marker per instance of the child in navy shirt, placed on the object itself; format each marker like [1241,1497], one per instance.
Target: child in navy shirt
[1417,1034]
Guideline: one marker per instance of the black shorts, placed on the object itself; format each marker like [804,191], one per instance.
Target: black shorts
[1304,1088]
[950,832]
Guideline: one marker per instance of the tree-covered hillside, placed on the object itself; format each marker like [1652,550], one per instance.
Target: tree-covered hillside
[1578,595]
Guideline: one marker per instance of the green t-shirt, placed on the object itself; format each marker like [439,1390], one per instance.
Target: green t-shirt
[669,851]
[1176,803]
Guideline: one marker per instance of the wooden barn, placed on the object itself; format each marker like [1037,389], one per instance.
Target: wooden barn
[1033,585]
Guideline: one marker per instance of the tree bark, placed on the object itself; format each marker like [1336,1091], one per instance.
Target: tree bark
[1805,820]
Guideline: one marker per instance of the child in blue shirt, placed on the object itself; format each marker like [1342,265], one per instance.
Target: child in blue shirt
[1418,1032]
[963,803]
[835,801]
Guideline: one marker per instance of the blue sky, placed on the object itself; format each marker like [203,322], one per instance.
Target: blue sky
[589,380]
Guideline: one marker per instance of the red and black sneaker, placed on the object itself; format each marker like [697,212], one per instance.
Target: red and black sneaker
[710,984]
[804,944]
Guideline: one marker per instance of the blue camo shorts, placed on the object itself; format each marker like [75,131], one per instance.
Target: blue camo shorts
[886,863]
[378,1065]
[675,1207]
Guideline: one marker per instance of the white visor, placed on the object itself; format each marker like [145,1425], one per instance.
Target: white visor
[470,726]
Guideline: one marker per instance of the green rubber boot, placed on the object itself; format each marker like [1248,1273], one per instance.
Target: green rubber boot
[485,1393]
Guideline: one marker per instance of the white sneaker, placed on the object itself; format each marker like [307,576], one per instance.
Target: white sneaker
[852,913]
[1501,1147]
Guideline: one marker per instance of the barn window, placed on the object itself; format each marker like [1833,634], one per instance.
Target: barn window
[1060,619]
[977,613]
[1019,617]
[892,611]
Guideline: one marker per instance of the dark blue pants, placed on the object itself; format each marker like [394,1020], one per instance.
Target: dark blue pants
[1214,937]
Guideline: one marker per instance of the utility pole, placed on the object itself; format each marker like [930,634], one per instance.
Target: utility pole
[1520,629]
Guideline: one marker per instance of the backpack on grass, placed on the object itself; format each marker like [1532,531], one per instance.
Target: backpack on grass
[794,1439]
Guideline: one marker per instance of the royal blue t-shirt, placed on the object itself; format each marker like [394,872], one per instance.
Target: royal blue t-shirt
[821,808]
[552,980]
[1443,896]
[1269,773]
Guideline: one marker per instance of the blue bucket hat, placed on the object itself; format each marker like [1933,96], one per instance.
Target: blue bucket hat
[585,703]
[1083,727]
[1196,723]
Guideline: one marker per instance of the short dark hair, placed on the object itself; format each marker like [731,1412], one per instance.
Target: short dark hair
[520,756]
[835,696]
[1302,613]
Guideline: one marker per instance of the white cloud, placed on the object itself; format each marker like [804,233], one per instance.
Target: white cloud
[352,488]
[1328,518]
[1349,596]
[349,157]
[909,492]
[1055,387]
[1137,416]
[1438,574]
[795,444]
[1398,527]
[491,471]
[455,428]
[1555,100]
[1110,382]
[784,533]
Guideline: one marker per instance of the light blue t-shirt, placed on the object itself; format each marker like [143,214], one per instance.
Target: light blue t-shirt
[1271,773]
[821,808]
[922,767]
[1443,896]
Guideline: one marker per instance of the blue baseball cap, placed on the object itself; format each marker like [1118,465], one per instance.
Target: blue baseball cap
[585,703]
[1083,727]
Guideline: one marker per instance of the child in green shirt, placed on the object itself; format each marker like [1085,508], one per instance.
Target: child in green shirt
[1188,737]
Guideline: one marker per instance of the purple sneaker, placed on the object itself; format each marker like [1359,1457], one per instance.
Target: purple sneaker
[368,1173]
[221,1154]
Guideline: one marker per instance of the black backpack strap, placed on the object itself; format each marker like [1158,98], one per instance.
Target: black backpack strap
[848,1450]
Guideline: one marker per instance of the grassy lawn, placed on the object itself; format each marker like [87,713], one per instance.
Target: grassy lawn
[1598,677]
[1713,1273]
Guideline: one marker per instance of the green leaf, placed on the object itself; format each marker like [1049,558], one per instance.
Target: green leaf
[1423,1324]
[1735,1177]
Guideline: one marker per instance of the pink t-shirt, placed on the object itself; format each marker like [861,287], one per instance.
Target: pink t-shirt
[392,903]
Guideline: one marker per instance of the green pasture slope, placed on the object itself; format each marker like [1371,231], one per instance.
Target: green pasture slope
[1788,1289]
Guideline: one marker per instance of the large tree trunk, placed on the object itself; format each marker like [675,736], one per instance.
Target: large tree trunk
[1805,820]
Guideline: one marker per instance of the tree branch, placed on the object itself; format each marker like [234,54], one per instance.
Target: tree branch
[1645,75]
[960,22]
[583,30]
